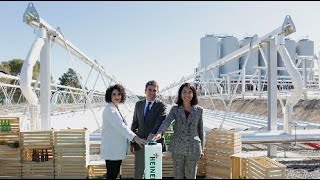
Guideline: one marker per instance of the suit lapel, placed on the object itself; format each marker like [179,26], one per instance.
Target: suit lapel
[192,114]
[154,107]
[182,114]
[142,105]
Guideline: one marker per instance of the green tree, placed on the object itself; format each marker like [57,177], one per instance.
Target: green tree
[13,67]
[70,79]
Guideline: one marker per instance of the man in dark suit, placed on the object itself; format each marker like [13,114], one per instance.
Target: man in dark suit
[147,118]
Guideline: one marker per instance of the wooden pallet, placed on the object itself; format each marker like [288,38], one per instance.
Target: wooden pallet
[9,137]
[38,170]
[37,139]
[94,147]
[239,163]
[127,167]
[27,153]
[97,170]
[10,158]
[264,168]
[220,145]
[10,169]
[14,123]
[71,137]
[167,165]
[9,153]
[71,153]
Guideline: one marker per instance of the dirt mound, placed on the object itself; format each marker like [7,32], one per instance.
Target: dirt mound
[303,110]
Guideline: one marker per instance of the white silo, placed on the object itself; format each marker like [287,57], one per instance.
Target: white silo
[291,47]
[228,45]
[305,47]
[209,53]
[265,48]
[253,59]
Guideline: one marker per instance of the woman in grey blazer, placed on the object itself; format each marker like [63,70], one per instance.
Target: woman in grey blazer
[187,142]
[115,134]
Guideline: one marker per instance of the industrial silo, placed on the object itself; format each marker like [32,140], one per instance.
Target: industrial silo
[265,48]
[291,47]
[253,59]
[228,45]
[305,47]
[209,53]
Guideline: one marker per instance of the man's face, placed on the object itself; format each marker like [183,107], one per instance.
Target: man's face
[151,92]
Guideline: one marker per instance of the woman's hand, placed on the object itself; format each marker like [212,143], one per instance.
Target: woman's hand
[201,155]
[140,141]
[157,136]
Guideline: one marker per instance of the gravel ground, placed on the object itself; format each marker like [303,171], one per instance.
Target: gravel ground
[303,169]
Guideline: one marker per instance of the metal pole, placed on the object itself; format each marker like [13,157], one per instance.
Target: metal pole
[304,72]
[259,83]
[272,93]
[45,84]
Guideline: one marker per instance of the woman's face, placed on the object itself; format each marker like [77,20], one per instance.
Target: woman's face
[115,97]
[186,94]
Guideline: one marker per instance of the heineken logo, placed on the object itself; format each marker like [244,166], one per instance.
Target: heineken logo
[156,155]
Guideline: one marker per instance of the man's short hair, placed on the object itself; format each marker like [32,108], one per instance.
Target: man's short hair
[152,83]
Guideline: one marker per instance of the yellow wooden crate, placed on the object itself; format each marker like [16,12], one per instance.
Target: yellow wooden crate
[220,145]
[10,169]
[14,123]
[97,170]
[38,170]
[37,138]
[264,168]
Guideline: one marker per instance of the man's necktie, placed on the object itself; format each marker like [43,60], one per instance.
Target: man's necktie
[147,111]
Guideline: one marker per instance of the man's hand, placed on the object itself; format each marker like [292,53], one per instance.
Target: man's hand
[140,141]
[132,148]
[150,137]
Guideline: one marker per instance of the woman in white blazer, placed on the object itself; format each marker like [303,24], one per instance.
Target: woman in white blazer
[115,134]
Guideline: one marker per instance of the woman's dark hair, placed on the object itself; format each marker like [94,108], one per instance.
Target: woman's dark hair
[118,87]
[194,100]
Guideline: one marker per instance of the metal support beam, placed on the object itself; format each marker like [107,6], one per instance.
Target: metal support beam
[45,84]
[272,93]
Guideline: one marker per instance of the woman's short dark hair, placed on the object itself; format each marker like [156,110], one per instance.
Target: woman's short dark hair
[118,87]
[194,100]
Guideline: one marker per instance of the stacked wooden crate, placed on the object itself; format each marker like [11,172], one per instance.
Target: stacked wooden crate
[220,145]
[37,141]
[97,170]
[167,165]
[10,156]
[127,167]
[264,168]
[71,153]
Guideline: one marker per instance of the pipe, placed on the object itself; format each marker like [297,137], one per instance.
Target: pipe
[280,137]
[27,69]
[294,73]
[296,81]
[273,137]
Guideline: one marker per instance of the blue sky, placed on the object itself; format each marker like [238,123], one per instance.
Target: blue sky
[140,41]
